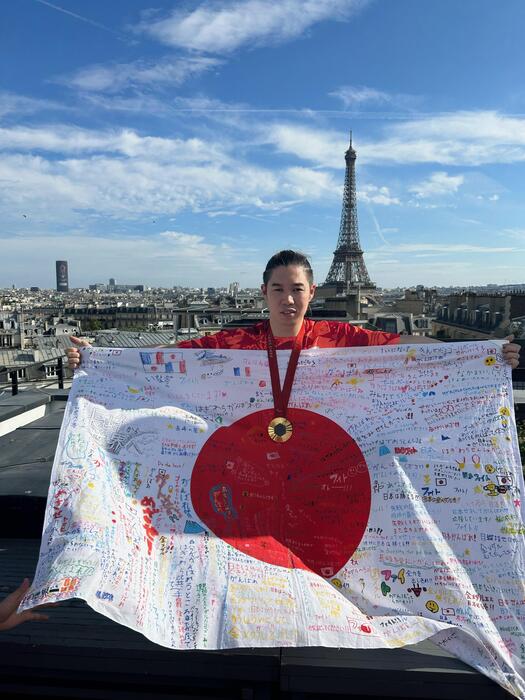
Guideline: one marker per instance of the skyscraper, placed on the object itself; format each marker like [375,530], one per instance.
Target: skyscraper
[62,278]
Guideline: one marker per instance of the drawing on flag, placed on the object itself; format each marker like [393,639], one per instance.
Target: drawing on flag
[393,514]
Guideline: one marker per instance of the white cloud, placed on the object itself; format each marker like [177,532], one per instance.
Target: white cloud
[11,103]
[460,139]
[464,138]
[445,248]
[65,139]
[142,101]
[469,126]
[311,184]
[372,194]
[353,96]
[437,185]
[138,102]
[325,148]
[121,174]
[442,264]
[166,259]
[221,27]
[132,188]
[189,244]
[384,262]
[517,234]
[487,198]
[114,78]
[474,222]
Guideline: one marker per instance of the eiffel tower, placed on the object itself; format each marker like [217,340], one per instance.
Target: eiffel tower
[348,271]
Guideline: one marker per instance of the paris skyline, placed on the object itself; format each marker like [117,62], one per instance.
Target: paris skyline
[180,145]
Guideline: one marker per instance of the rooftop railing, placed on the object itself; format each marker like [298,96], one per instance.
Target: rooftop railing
[53,373]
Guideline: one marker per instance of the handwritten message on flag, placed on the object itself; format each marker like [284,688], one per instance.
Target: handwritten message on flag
[393,514]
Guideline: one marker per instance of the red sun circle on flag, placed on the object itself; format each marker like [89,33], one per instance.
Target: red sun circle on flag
[301,504]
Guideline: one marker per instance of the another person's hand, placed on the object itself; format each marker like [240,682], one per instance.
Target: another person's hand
[511,352]
[73,355]
[9,618]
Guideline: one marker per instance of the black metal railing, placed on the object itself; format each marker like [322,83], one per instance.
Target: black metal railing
[15,380]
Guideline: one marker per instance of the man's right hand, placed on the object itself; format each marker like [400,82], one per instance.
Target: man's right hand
[73,355]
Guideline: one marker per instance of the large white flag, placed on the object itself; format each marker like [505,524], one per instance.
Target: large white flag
[392,514]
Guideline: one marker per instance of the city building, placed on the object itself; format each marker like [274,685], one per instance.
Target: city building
[62,276]
[470,315]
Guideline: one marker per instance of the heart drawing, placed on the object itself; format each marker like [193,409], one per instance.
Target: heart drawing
[302,504]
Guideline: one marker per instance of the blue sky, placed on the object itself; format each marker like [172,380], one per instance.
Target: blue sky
[185,142]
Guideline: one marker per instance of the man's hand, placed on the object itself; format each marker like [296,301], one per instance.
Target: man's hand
[9,618]
[73,355]
[511,352]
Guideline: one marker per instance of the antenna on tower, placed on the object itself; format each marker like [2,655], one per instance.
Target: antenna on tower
[350,138]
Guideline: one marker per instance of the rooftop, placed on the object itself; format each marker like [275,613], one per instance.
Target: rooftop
[20,358]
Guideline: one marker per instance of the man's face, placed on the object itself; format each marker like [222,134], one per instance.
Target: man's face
[288,294]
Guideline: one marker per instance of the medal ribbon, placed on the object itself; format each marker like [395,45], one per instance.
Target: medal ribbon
[281,397]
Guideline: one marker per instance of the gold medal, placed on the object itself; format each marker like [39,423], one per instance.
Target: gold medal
[280,429]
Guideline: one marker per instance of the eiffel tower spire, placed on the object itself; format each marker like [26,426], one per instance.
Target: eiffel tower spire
[348,266]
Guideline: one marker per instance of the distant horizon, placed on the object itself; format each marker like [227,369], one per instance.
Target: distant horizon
[148,287]
[180,142]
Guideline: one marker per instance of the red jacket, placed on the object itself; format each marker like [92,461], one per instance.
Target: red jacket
[318,334]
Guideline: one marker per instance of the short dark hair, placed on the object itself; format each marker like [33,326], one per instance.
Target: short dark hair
[285,258]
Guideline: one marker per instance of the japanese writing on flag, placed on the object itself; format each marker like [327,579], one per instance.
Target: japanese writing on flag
[393,513]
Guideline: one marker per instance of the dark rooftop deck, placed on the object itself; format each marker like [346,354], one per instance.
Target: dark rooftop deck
[79,653]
